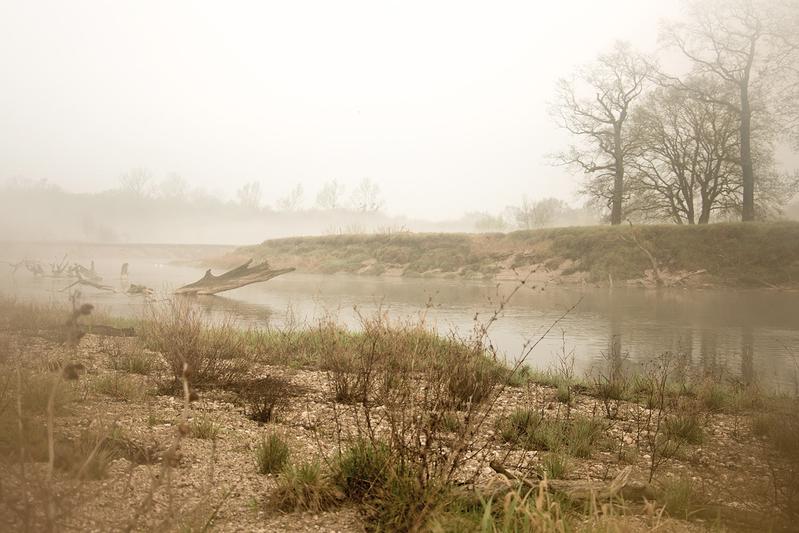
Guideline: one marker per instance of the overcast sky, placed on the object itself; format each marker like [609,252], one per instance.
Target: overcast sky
[443,104]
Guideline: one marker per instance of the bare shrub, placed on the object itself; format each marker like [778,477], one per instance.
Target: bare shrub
[214,353]
[415,379]
[264,397]
[651,415]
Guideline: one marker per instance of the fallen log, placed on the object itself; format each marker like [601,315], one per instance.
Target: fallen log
[632,492]
[139,289]
[71,334]
[89,283]
[79,271]
[233,279]
[584,489]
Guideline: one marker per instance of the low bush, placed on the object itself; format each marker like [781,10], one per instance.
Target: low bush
[264,398]
[215,354]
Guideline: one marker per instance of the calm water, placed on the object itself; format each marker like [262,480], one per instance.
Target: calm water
[750,335]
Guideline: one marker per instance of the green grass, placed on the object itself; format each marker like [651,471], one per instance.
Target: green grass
[271,454]
[679,496]
[555,466]
[137,362]
[530,430]
[119,387]
[363,469]
[304,487]
[204,428]
[686,427]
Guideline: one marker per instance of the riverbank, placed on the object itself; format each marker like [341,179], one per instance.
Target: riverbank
[390,428]
[714,255]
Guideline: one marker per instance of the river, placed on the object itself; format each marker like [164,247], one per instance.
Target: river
[747,335]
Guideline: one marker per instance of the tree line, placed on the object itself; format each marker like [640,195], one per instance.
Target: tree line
[694,145]
[366,197]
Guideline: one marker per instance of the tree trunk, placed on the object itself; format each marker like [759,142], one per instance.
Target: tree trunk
[747,171]
[618,178]
[704,217]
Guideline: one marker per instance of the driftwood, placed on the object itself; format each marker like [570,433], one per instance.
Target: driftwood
[689,274]
[79,271]
[576,490]
[233,279]
[58,269]
[89,283]
[72,333]
[139,289]
[631,492]
[34,267]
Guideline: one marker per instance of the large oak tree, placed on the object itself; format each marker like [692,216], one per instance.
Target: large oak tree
[595,107]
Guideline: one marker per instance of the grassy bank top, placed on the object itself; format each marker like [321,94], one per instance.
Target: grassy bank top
[734,254]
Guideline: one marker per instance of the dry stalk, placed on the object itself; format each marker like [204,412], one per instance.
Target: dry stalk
[169,456]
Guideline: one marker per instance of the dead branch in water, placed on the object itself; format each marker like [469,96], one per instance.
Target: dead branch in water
[89,283]
[583,489]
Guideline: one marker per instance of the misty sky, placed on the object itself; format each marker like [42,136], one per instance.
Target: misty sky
[443,104]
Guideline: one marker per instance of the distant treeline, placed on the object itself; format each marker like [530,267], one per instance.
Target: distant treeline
[141,210]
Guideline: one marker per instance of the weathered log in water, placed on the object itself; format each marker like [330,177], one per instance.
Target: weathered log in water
[580,490]
[89,283]
[68,333]
[233,279]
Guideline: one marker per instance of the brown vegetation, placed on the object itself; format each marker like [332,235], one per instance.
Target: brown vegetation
[432,434]
[756,255]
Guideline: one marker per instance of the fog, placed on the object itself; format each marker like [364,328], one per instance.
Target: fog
[443,105]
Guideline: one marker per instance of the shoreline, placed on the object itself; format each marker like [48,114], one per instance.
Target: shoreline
[733,255]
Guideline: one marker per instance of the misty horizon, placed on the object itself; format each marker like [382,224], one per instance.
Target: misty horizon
[415,98]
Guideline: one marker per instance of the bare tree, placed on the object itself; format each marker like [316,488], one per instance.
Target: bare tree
[686,164]
[249,195]
[537,214]
[134,182]
[784,31]
[366,197]
[329,196]
[595,107]
[293,200]
[174,187]
[487,223]
[741,44]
